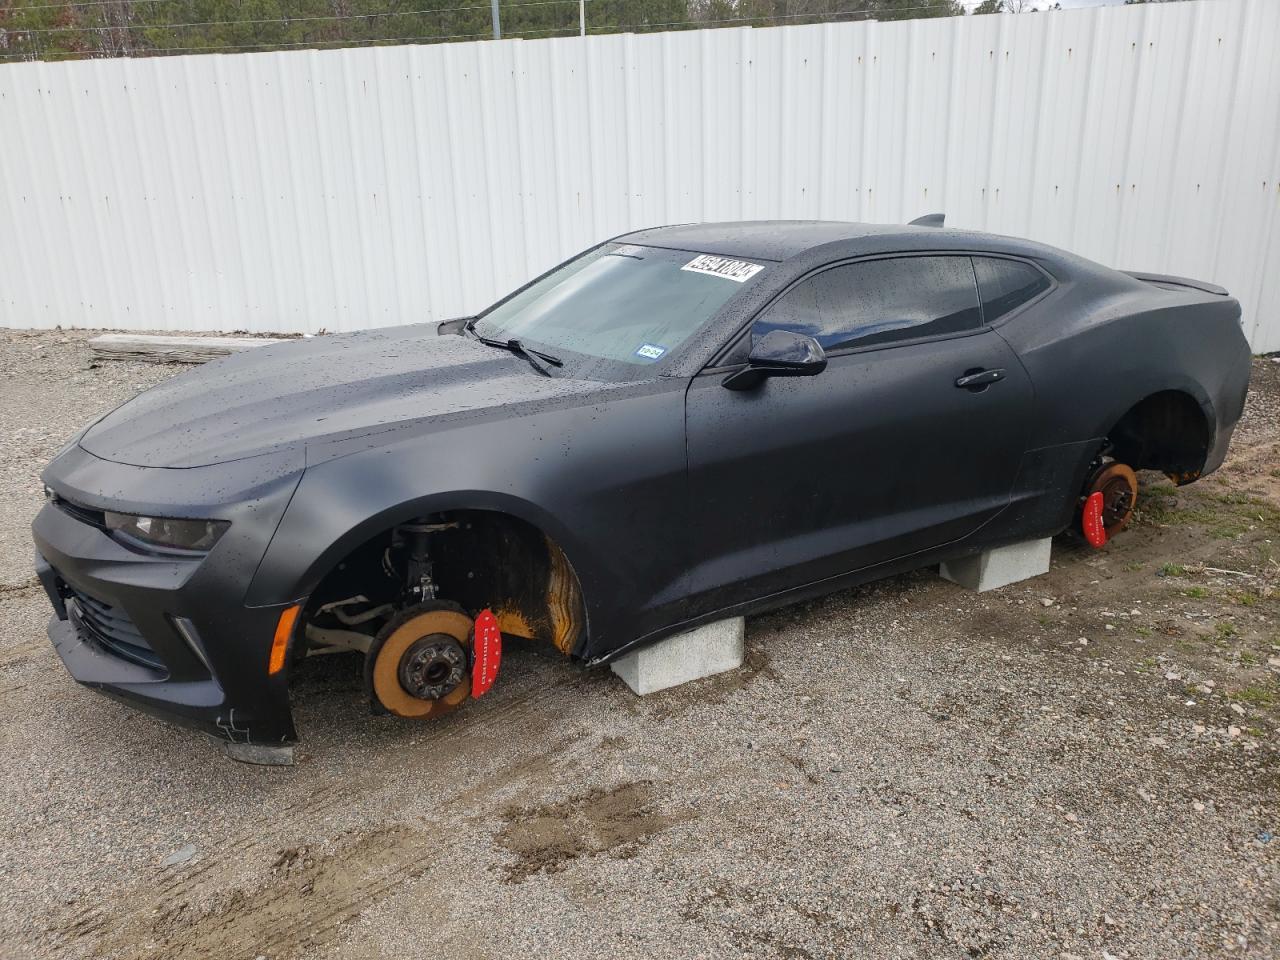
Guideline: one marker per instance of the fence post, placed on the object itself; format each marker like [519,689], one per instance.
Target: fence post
[497,24]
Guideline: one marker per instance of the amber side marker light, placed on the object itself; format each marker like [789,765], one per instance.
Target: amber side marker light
[280,643]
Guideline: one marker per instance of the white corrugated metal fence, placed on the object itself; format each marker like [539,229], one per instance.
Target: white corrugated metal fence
[351,188]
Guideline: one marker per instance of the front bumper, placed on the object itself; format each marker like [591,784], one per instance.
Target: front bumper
[170,635]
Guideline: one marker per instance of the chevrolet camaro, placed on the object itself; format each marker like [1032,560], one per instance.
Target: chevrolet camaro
[676,426]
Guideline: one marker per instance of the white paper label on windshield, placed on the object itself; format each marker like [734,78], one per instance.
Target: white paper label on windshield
[739,271]
[650,351]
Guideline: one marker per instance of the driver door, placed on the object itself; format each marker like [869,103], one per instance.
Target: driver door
[878,457]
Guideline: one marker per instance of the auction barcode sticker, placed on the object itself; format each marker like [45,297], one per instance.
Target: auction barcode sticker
[739,271]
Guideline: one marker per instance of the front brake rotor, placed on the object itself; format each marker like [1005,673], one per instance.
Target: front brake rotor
[419,663]
[1118,485]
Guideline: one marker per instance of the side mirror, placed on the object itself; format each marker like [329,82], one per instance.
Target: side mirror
[779,353]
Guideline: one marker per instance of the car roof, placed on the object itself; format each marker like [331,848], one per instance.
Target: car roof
[783,239]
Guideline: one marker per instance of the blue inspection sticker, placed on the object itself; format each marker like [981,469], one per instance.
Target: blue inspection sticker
[650,351]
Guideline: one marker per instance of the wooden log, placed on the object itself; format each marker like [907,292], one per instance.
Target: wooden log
[169,349]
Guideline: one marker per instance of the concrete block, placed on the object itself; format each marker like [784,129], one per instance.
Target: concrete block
[999,567]
[700,652]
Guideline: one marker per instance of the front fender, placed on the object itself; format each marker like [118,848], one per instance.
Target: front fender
[330,517]
[604,478]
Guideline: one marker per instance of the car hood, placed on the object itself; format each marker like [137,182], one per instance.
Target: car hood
[321,388]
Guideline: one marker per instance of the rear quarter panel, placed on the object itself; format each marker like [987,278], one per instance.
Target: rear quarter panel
[1100,345]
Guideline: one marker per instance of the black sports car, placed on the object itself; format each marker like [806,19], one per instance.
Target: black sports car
[678,425]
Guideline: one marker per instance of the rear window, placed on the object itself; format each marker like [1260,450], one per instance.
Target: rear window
[1005,285]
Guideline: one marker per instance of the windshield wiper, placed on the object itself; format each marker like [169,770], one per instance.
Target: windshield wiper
[536,358]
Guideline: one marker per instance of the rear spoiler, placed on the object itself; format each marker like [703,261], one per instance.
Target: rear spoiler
[1163,280]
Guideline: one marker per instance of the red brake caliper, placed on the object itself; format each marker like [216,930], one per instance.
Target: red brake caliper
[1094,531]
[486,652]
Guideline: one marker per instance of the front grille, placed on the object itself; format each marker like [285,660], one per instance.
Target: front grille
[84,514]
[109,627]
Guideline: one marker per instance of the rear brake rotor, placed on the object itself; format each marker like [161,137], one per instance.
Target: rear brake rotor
[419,662]
[1118,485]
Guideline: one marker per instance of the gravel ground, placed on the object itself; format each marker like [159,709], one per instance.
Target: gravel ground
[1083,765]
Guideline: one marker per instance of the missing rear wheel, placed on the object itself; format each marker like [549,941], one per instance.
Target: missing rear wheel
[1118,485]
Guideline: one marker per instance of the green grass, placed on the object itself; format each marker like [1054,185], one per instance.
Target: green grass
[1172,570]
[1225,630]
[1233,498]
[1158,513]
[1227,515]
[1195,593]
[1229,531]
[1257,696]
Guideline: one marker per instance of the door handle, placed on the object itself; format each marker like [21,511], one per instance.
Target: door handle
[980,379]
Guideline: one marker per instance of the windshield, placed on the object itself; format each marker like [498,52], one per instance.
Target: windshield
[620,303]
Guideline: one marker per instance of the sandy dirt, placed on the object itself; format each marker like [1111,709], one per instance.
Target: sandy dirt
[1082,765]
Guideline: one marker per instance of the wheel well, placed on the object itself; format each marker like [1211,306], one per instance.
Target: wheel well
[478,559]
[1167,431]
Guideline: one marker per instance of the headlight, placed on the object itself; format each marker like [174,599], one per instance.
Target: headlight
[166,532]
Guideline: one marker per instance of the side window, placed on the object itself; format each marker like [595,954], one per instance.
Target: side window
[877,301]
[1006,285]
